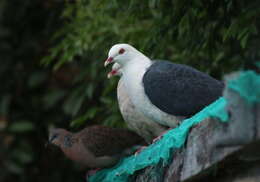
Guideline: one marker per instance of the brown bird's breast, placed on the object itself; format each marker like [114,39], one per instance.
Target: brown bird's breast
[78,153]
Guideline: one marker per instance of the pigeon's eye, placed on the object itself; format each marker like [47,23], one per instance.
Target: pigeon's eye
[121,51]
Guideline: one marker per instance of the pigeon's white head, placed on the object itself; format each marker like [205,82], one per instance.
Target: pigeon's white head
[121,54]
[116,70]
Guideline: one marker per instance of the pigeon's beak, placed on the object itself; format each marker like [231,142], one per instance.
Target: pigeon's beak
[111,73]
[108,61]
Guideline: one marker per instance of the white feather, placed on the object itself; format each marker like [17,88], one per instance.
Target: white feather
[133,72]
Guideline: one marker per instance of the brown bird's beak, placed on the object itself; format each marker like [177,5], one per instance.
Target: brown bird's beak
[49,141]
[111,73]
[108,61]
[52,138]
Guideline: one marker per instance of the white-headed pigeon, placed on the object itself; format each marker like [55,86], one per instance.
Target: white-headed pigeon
[163,91]
[134,119]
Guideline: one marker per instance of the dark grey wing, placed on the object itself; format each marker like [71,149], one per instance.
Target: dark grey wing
[178,89]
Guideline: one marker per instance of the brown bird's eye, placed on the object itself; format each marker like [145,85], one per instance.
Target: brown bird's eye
[53,137]
[121,51]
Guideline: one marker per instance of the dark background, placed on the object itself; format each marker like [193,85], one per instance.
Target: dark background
[52,74]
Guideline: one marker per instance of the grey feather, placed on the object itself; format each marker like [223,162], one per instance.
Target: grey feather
[178,89]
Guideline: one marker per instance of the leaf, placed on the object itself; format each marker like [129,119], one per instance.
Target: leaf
[90,114]
[90,90]
[53,97]
[220,56]
[5,104]
[23,157]
[73,104]
[231,31]
[21,127]
[244,41]
[36,79]
[14,167]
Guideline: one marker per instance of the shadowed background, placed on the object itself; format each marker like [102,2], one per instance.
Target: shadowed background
[52,73]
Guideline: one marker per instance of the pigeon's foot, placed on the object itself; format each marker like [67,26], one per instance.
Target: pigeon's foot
[91,172]
[140,150]
[160,136]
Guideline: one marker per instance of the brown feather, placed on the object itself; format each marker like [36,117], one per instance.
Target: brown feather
[102,140]
[95,146]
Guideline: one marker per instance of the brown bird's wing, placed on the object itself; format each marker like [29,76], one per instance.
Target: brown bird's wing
[104,141]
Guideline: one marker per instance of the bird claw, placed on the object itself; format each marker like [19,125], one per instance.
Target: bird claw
[161,135]
[154,140]
[91,172]
[158,138]
[139,150]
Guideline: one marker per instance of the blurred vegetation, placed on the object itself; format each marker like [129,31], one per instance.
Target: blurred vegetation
[72,38]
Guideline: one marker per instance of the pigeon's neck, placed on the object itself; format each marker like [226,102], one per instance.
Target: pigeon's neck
[137,66]
[133,74]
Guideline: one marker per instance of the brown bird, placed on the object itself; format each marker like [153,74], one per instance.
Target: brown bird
[96,146]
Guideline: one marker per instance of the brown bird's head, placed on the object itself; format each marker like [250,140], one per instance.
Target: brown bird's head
[60,137]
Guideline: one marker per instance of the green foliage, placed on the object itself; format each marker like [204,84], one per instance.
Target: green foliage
[214,36]
[21,126]
[26,111]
